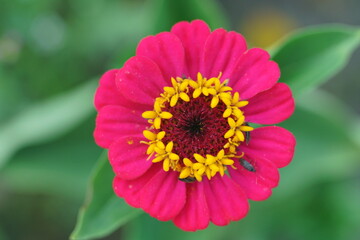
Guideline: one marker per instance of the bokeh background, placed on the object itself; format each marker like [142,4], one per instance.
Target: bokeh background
[52,53]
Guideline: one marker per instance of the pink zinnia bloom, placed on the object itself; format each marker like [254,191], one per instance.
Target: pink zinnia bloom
[175,119]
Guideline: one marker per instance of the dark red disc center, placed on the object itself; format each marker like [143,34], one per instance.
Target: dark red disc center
[195,127]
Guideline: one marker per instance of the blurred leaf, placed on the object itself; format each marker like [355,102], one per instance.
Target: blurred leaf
[313,55]
[47,120]
[2,235]
[10,96]
[65,164]
[166,13]
[326,147]
[123,23]
[103,212]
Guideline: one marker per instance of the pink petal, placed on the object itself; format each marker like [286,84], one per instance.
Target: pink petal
[221,52]
[226,200]
[193,36]
[257,185]
[128,157]
[195,214]
[140,81]
[254,73]
[164,196]
[271,106]
[166,50]
[113,122]
[274,144]
[131,190]
[107,93]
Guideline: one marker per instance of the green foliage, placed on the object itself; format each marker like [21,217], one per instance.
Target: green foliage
[313,55]
[165,13]
[46,121]
[325,147]
[64,163]
[102,212]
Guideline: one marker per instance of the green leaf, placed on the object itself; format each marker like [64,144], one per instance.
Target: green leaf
[313,55]
[103,212]
[326,146]
[167,12]
[47,120]
[2,235]
[65,164]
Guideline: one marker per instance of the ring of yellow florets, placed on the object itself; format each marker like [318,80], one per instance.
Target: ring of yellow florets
[196,166]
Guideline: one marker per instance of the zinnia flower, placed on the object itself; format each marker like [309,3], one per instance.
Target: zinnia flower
[176,120]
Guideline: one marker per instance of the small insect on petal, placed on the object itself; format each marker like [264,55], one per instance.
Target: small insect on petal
[248,166]
[188,179]
[247,137]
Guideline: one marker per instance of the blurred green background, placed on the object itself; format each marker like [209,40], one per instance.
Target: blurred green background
[52,53]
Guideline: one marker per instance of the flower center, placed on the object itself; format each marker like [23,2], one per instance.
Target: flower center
[196,127]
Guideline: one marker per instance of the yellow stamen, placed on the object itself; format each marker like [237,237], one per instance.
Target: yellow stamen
[167,156]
